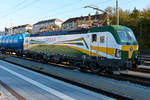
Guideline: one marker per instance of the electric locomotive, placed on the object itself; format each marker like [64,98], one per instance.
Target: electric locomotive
[107,48]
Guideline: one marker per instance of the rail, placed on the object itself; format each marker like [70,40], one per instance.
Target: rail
[144,57]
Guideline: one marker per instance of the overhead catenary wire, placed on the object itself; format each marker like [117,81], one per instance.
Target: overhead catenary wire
[21,7]
[14,8]
[70,10]
[26,5]
[19,4]
[59,11]
[127,2]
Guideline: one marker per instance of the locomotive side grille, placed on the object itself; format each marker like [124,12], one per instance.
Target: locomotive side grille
[124,54]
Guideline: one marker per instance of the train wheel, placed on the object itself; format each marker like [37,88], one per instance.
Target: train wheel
[134,66]
[43,61]
[76,65]
[95,68]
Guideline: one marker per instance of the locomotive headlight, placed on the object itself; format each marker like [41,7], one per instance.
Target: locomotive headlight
[118,53]
[136,56]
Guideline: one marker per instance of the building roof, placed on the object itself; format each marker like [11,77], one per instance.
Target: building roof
[50,20]
[20,26]
[83,18]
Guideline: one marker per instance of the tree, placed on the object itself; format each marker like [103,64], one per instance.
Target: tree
[146,14]
[123,17]
[135,14]
[145,21]
[133,19]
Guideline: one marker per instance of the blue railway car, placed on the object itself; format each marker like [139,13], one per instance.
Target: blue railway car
[20,40]
[2,42]
[13,42]
[6,42]
[9,41]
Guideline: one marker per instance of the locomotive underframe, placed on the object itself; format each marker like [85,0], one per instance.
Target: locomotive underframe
[94,63]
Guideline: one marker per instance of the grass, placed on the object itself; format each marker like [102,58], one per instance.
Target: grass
[32,65]
[3,57]
[40,67]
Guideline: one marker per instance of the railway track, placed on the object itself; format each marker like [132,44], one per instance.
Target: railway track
[134,79]
[145,57]
[122,77]
[118,97]
[126,77]
[144,70]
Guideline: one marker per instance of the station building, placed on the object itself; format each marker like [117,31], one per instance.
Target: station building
[18,29]
[82,22]
[47,26]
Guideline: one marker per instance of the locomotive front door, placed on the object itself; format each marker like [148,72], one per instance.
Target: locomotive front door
[99,45]
[94,44]
[102,44]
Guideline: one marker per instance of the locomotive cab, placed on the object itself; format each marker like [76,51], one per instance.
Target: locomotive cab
[126,36]
[129,44]
[116,43]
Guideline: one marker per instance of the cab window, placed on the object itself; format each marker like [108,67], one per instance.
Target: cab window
[94,37]
[102,40]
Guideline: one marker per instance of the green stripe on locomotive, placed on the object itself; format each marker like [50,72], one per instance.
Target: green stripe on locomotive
[113,30]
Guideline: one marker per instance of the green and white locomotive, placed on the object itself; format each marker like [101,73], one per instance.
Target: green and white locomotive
[106,48]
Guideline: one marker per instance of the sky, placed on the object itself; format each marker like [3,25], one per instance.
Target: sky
[19,12]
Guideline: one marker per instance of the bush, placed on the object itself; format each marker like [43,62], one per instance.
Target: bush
[3,57]
[40,67]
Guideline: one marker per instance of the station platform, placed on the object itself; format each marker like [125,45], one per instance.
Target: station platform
[5,94]
[34,86]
